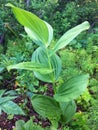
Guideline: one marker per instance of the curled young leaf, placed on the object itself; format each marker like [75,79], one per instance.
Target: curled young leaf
[41,56]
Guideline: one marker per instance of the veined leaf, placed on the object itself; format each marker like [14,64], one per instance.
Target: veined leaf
[46,106]
[68,111]
[6,99]
[72,88]
[11,108]
[8,106]
[70,35]
[38,30]
[31,66]
[40,56]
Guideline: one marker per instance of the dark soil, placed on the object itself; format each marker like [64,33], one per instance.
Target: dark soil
[9,124]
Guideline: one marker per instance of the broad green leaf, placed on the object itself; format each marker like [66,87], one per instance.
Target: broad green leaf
[72,88]
[70,35]
[35,38]
[6,99]
[41,68]
[38,30]
[2,92]
[20,125]
[68,111]
[11,108]
[8,106]
[41,56]
[46,106]
[11,93]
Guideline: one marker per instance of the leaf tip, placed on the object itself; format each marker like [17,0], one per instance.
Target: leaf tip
[8,68]
[87,24]
[9,5]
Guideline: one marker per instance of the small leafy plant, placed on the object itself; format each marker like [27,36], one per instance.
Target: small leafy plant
[29,125]
[46,66]
[21,125]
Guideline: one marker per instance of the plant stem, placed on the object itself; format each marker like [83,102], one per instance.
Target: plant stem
[53,78]
[11,30]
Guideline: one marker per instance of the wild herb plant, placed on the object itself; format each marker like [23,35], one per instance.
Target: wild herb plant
[46,66]
[21,125]
[29,125]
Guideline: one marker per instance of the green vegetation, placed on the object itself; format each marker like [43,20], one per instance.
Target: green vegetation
[49,86]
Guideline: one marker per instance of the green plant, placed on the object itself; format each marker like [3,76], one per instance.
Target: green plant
[29,125]
[80,121]
[7,105]
[46,65]
[85,100]
[21,125]
[93,116]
